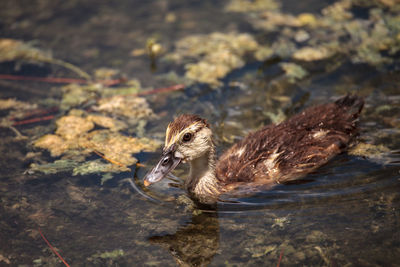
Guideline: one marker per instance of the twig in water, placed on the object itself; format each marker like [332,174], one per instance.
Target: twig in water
[33,120]
[280,257]
[109,160]
[162,90]
[36,112]
[52,248]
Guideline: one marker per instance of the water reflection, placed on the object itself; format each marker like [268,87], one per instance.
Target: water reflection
[195,244]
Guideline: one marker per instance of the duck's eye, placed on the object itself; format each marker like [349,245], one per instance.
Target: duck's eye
[187,137]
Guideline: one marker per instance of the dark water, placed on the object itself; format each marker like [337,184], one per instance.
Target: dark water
[345,214]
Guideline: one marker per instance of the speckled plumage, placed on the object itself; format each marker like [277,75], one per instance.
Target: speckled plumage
[293,148]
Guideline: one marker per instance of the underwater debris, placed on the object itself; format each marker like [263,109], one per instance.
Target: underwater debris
[107,122]
[61,165]
[369,150]
[259,251]
[217,54]
[313,53]
[70,127]
[12,103]
[337,31]
[74,141]
[116,102]
[93,166]
[17,110]
[55,144]
[116,146]
[293,71]
[109,254]
[105,73]
[245,6]
[154,48]
[11,49]
[129,106]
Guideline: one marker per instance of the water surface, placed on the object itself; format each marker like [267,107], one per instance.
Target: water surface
[344,214]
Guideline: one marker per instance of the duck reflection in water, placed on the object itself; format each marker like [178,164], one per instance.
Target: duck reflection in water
[195,244]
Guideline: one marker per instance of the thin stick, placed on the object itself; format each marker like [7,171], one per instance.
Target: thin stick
[19,135]
[110,160]
[280,257]
[45,118]
[162,90]
[37,112]
[53,249]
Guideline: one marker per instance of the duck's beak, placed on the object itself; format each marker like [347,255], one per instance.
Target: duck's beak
[167,163]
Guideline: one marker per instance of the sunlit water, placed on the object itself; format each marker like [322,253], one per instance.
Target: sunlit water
[344,214]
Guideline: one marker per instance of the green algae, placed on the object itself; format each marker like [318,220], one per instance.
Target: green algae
[334,34]
[251,6]
[293,71]
[110,254]
[75,139]
[53,167]
[217,54]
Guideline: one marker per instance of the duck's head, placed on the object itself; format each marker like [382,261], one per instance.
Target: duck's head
[188,137]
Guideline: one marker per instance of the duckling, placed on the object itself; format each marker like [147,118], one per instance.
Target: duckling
[273,155]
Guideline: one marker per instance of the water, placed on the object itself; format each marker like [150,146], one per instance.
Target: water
[344,214]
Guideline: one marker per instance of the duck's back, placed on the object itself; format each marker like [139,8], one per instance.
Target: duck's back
[291,149]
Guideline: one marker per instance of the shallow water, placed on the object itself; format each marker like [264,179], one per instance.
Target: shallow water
[344,214]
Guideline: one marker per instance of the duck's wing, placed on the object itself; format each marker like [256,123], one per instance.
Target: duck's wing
[291,149]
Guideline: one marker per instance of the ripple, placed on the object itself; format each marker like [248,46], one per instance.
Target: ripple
[343,180]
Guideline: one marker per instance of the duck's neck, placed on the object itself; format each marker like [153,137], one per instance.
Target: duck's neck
[202,180]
